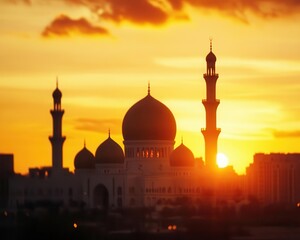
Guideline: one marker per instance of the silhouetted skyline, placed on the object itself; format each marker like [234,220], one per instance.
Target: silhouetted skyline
[103,67]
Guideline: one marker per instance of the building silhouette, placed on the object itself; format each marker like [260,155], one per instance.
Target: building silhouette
[149,172]
[57,140]
[6,171]
[211,132]
[275,178]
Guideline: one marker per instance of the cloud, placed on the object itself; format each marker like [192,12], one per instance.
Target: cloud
[286,134]
[139,12]
[97,125]
[160,11]
[240,8]
[65,26]
[17,1]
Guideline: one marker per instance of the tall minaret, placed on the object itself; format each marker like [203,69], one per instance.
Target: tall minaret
[211,132]
[57,140]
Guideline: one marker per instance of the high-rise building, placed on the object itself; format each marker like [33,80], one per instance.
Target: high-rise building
[275,178]
[6,171]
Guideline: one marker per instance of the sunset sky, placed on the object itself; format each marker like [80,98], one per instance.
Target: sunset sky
[104,53]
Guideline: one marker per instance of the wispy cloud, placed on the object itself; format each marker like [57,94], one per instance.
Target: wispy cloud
[159,12]
[18,1]
[253,64]
[239,8]
[97,125]
[286,134]
[138,12]
[65,26]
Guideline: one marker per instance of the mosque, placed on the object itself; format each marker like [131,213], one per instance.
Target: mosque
[147,173]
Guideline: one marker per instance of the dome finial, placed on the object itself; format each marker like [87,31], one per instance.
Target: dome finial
[181,139]
[56,81]
[84,143]
[109,133]
[210,43]
[149,88]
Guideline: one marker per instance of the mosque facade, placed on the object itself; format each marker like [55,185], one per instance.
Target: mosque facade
[149,172]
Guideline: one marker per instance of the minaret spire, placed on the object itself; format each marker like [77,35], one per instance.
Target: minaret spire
[211,132]
[210,44]
[149,88]
[57,139]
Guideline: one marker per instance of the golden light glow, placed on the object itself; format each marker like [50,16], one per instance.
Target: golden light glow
[222,160]
[102,77]
[172,227]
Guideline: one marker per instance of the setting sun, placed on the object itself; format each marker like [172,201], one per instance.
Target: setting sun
[222,160]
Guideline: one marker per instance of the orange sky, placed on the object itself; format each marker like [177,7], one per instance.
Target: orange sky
[106,52]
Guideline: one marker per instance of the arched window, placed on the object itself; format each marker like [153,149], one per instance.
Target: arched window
[100,197]
[156,152]
[151,152]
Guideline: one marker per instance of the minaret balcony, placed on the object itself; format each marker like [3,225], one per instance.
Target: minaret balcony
[205,101]
[211,75]
[206,130]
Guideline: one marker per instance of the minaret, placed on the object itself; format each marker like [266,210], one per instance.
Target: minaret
[211,132]
[57,140]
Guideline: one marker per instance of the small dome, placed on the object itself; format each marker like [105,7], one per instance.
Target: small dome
[211,57]
[57,94]
[109,152]
[149,119]
[182,157]
[84,159]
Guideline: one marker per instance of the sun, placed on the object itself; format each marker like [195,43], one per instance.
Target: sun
[222,160]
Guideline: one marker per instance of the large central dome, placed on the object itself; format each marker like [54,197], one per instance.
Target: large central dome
[149,119]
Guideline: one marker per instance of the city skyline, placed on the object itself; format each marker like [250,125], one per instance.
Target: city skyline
[102,73]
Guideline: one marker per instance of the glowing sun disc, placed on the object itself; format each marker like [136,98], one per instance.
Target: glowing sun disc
[222,160]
